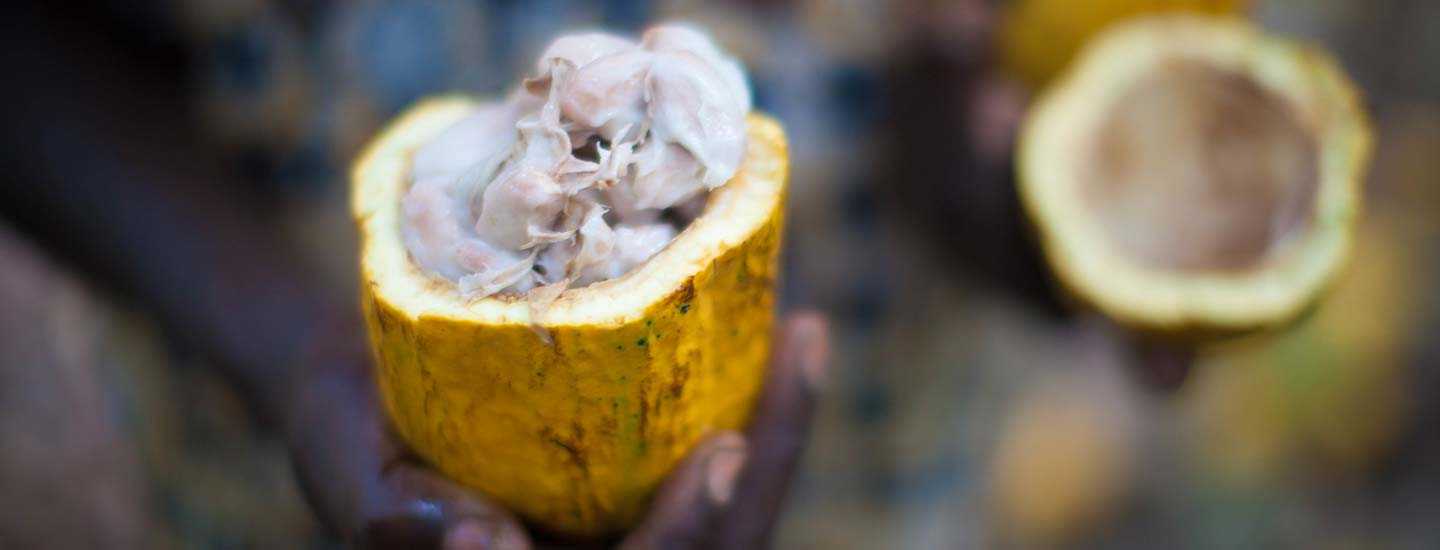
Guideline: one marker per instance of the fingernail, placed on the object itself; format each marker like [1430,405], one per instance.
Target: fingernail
[723,469]
[470,534]
[812,337]
[510,537]
[475,534]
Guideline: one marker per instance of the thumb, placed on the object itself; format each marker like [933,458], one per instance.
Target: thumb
[427,510]
[694,497]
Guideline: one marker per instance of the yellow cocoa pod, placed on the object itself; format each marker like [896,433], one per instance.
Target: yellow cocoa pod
[1194,177]
[572,414]
[1039,37]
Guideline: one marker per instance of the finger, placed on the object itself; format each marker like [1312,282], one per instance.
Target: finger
[1163,366]
[361,485]
[467,521]
[1157,363]
[338,457]
[687,507]
[778,431]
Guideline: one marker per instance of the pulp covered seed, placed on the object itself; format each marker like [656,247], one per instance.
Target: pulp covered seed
[565,181]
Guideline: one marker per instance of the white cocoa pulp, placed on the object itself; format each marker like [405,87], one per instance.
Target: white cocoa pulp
[584,172]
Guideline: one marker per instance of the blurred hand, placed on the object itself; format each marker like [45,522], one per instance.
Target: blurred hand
[1161,365]
[1157,364]
[726,494]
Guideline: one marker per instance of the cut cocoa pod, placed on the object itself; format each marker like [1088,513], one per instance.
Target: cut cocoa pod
[1192,176]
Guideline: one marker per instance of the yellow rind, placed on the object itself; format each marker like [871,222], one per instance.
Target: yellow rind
[573,436]
[1039,38]
[1177,303]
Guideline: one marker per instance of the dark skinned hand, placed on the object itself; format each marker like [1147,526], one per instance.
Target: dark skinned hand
[726,494]
[165,223]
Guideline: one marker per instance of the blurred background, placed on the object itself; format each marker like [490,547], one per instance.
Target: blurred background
[968,406]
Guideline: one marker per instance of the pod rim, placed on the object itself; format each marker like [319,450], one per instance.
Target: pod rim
[379,179]
[1075,245]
